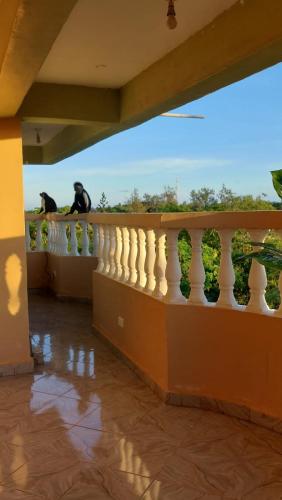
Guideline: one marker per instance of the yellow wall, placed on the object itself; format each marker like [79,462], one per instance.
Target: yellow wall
[14,328]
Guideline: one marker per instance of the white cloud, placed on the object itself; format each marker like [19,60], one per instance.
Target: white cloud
[151,167]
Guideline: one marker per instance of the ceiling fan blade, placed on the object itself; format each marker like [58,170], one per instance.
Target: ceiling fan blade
[182,115]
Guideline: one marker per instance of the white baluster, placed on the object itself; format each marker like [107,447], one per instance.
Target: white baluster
[160,265]
[100,266]
[73,239]
[226,277]
[85,239]
[112,251]
[124,255]
[63,238]
[279,310]
[95,252]
[118,251]
[173,269]
[39,246]
[197,272]
[27,237]
[257,278]
[141,257]
[106,256]
[132,256]
[150,261]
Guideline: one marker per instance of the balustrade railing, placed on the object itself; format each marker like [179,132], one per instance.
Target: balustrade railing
[60,235]
[141,251]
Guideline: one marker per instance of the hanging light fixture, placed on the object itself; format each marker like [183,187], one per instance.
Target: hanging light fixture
[38,137]
[171,15]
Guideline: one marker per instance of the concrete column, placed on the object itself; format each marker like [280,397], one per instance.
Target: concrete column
[14,328]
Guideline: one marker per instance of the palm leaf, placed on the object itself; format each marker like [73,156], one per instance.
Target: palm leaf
[277,181]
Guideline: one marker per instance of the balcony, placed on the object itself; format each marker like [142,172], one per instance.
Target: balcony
[87,420]
[219,356]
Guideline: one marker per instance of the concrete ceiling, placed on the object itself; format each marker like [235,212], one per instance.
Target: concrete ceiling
[106,43]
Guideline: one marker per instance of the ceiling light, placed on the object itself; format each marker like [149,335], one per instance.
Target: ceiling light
[171,19]
[38,137]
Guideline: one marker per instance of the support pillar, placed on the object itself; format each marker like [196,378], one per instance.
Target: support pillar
[14,328]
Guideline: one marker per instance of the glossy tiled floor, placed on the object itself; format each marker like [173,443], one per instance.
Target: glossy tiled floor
[83,427]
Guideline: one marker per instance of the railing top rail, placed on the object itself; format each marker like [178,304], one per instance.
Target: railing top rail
[120,219]
[55,217]
[257,219]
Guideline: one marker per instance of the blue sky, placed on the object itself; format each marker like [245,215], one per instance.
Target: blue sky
[238,143]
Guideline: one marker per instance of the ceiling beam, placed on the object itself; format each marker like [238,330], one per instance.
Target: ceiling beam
[36,25]
[70,104]
[73,139]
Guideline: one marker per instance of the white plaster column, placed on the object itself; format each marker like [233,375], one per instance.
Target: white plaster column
[100,266]
[62,240]
[85,239]
[106,251]
[125,254]
[140,259]
[150,261]
[73,239]
[197,274]
[173,269]
[226,272]
[118,251]
[112,251]
[132,256]
[95,251]
[160,265]
[257,278]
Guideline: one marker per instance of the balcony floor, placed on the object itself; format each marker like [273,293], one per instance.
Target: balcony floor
[85,427]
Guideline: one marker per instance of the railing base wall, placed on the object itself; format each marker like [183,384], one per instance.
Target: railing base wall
[210,358]
[192,400]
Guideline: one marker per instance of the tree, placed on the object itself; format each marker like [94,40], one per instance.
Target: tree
[134,203]
[203,199]
[103,203]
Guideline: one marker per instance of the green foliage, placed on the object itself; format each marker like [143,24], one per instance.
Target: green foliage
[277,181]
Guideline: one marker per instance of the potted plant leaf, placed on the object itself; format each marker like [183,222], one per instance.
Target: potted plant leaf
[268,254]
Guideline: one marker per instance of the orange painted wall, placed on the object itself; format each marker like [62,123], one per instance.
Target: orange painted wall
[227,355]
[14,327]
[143,338]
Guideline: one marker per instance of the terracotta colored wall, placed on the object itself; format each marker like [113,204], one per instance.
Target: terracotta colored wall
[143,338]
[66,276]
[14,328]
[228,355]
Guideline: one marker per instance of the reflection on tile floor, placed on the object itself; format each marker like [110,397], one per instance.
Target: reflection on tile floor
[83,427]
